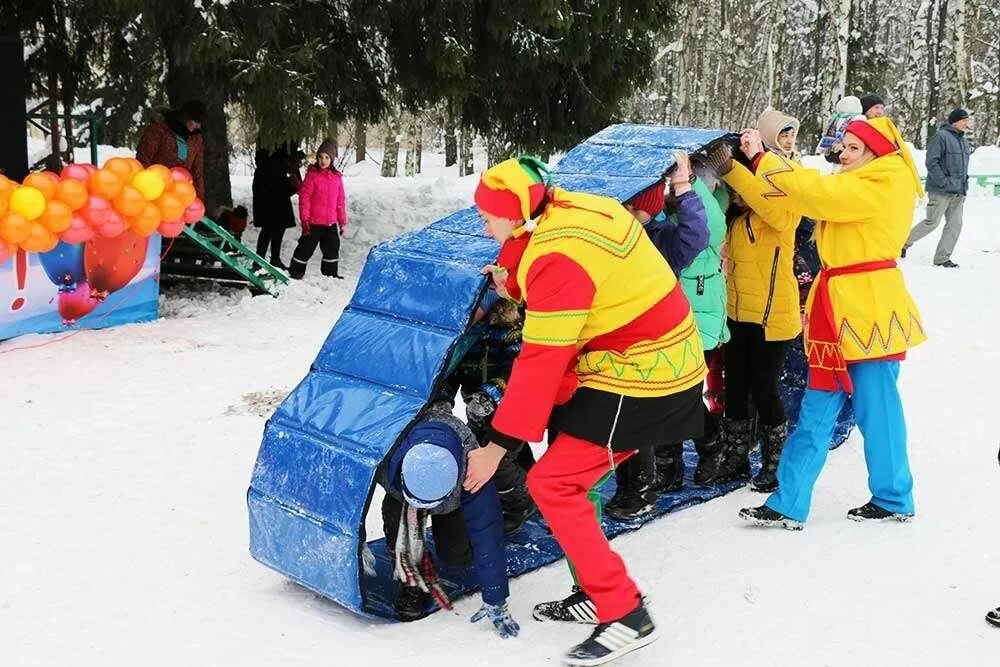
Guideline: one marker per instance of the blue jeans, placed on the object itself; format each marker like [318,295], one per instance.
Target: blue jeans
[879,413]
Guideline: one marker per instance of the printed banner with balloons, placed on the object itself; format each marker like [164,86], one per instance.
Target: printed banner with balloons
[100,283]
[81,248]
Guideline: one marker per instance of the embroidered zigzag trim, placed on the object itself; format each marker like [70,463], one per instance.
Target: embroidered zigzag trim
[615,247]
[820,349]
[619,369]
[783,169]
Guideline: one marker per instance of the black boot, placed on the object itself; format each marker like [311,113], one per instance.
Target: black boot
[511,484]
[736,436]
[710,448]
[765,517]
[772,441]
[410,603]
[630,500]
[670,466]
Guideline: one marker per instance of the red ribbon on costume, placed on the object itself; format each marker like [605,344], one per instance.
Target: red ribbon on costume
[827,368]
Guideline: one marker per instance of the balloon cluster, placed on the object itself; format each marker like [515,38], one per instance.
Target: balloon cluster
[84,202]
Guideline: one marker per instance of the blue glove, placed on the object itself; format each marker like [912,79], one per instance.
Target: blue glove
[503,622]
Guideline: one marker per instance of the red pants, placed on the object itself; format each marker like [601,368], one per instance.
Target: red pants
[559,483]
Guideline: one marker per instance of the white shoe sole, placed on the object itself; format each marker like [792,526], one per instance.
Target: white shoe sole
[897,518]
[614,655]
[787,524]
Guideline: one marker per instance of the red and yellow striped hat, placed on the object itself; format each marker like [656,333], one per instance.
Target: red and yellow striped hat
[512,189]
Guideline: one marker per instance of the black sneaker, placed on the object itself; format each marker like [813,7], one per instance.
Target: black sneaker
[612,640]
[629,505]
[577,608]
[948,264]
[872,512]
[410,603]
[993,617]
[765,517]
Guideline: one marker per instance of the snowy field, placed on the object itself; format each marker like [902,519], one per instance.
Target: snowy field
[127,454]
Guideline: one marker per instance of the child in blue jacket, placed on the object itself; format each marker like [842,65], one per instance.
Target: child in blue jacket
[423,478]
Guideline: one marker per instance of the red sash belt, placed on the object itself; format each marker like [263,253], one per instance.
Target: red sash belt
[827,368]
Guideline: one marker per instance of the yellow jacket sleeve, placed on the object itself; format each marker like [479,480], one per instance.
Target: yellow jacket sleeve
[845,197]
[774,213]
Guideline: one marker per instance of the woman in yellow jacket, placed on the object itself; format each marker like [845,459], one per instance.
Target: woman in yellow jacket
[861,318]
[763,305]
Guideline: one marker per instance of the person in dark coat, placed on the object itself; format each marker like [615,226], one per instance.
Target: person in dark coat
[422,477]
[275,180]
[947,183]
[175,141]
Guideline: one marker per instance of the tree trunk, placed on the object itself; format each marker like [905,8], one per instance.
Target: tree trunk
[450,142]
[178,26]
[466,164]
[412,167]
[360,141]
[390,145]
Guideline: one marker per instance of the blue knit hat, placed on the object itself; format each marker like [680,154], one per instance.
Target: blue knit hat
[429,474]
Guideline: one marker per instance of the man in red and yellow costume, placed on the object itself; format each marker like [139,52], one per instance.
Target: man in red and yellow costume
[611,362]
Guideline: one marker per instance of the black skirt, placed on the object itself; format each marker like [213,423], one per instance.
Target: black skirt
[641,422]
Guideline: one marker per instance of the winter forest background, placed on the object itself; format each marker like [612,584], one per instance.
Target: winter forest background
[516,76]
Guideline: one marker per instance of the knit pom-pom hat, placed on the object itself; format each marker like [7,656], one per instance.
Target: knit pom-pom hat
[513,189]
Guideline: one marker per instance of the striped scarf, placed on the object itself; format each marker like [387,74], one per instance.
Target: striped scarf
[414,565]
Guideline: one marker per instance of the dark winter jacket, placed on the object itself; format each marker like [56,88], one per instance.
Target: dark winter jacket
[272,191]
[680,243]
[483,516]
[948,162]
[321,199]
[164,141]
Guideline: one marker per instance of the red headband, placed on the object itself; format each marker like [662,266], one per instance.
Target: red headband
[871,137]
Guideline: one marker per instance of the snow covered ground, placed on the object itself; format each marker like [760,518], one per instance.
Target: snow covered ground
[127,454]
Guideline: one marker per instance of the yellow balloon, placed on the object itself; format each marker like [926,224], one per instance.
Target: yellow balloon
[27,202]
[149,184]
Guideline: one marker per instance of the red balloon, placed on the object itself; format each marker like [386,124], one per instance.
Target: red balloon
[171,230]
[115,225]
[77,172]
[111,263]
[194,212]
[77,303]
[96,211]
[78,232]
[181,174]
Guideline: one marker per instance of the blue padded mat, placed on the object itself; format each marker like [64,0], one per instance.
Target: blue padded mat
[382,361]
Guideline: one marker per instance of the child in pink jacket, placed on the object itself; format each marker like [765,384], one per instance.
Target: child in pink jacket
[323,214]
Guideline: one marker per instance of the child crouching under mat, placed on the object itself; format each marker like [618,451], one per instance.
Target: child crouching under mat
[423,479]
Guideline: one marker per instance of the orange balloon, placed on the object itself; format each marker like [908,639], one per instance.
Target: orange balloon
[57,217]
[43,181]
[120,166]
[72,192]
[185,192]
[4,202]
[163,173]
[39,239]
[147,221]
[134,165]
[106,183]
[14,228]
[129,202]
[171,207]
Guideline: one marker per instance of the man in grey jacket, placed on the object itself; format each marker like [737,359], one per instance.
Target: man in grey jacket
[947,182]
